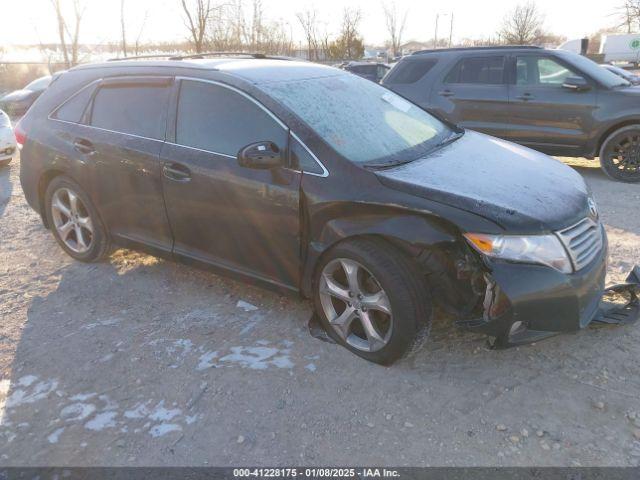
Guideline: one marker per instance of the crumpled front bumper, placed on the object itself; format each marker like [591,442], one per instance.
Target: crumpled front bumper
[524,303]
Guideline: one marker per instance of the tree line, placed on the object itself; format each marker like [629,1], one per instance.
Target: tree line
[242,26]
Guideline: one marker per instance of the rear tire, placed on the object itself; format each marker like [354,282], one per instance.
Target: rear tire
[356,282]
[620,154]
[74,221]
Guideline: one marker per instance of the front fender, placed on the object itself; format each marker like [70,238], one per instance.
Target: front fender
[409,231]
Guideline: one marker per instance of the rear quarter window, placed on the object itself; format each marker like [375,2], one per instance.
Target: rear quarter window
[409,71]
[73,109]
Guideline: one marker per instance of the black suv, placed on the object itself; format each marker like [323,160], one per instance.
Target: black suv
[255,168]
[371,71]
[555,101]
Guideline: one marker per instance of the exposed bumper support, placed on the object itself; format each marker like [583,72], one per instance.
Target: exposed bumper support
[616,305]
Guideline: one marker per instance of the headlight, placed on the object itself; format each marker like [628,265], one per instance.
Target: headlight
[541,249]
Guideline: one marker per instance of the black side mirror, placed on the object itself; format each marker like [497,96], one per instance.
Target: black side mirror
[577,84]
[260,155]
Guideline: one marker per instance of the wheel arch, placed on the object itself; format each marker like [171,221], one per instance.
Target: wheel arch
[617,126]
[409,233]
[43,183]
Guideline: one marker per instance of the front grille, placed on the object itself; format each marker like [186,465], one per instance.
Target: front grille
[583,241]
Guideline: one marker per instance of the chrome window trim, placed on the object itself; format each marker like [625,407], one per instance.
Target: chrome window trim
[325,172]
[201,150]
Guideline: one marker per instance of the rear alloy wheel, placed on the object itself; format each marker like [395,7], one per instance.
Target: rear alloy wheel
[371,299]
[620,154]
[74,221]
[71,220]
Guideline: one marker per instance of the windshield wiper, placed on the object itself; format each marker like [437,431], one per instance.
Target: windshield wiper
[455,135]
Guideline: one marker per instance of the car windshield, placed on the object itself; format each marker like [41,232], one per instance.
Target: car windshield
[595,71]
[361,120]
[39,84]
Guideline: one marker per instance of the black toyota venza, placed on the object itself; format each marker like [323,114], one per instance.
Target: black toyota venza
[311,180]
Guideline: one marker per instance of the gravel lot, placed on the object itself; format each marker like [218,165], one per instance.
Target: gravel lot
[139,361]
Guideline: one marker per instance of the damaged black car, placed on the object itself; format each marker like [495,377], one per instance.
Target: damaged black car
[309,180]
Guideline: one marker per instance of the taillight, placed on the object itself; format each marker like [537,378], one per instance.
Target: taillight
[21,136]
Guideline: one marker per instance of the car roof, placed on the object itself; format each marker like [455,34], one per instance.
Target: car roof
[489,49]
[255,70]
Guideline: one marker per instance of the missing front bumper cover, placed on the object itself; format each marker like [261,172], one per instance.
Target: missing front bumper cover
[619,305]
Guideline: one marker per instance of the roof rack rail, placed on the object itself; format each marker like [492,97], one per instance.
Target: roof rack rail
[219,54]
[497,47]
[195,56]
[141,57]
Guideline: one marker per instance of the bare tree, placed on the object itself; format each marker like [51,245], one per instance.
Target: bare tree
[68,39]
[522,25]
[629,14]
[124,30]
[349,35]
[395,26]
[197,16]
[309,23]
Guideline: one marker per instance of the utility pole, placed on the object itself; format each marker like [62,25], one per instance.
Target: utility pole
[451,30]
[435,35]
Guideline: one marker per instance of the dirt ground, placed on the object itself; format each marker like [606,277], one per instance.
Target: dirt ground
[138,361]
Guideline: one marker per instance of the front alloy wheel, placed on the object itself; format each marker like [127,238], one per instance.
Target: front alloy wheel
[355,305]
[372,299]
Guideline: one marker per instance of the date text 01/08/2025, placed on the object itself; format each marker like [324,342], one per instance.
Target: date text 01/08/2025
[315,473]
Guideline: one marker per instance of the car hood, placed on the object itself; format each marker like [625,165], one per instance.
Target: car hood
[521,190]
[16,96]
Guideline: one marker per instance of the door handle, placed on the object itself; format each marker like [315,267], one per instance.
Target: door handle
[446,93]
[525,97]
[84,146]
[176,172]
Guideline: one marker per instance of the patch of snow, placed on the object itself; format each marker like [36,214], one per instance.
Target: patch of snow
[246,306]
[161,414]
[163,429]
[37,392]
[82,397]
[27,380]
[206,360]
[103,323]
[77,411]
[101,421]
[311,367]
[258,358]
[55,436]
[139,411]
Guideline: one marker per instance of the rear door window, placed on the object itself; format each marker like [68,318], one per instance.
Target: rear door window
[478,70]
[409,71]
[133,108]
[220,120]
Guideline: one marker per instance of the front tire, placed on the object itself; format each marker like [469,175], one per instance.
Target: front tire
[372,300]
[620,154]
[74,221]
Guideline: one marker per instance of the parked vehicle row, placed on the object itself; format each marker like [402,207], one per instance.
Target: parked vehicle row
[17,103]
[8,145]
[377,212]
[373,71]
[554,101]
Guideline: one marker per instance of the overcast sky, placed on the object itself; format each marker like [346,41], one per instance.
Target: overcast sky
[31,21]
